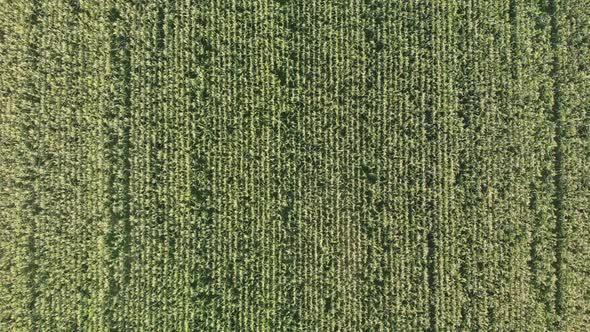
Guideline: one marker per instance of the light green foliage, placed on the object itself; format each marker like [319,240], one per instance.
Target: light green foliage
[280,165]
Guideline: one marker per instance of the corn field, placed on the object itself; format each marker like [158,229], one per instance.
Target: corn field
[295,165]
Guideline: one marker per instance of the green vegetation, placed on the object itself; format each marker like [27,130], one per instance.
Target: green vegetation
[280,165]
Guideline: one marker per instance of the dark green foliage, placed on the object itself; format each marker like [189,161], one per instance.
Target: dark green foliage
[280,165]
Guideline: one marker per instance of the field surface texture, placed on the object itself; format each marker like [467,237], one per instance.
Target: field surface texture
[291,165]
